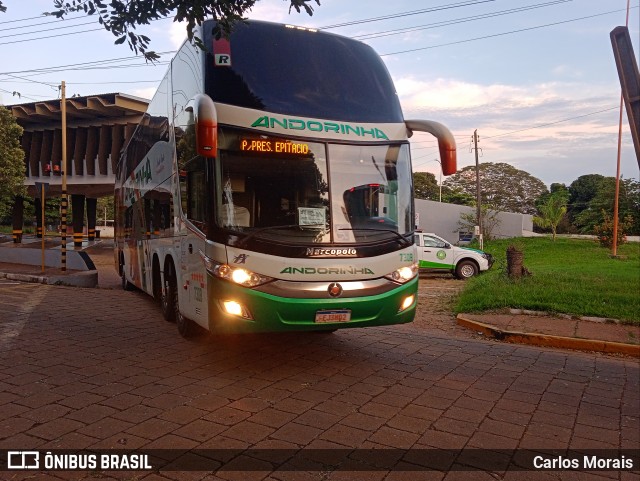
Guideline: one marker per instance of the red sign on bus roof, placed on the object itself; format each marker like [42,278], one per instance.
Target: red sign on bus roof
[222,52]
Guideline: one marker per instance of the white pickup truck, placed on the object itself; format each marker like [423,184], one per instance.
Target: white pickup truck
[435,253]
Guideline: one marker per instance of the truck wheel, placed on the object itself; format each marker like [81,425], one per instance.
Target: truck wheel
[466,269]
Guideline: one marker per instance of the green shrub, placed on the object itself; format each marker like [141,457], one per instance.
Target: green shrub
[604,231]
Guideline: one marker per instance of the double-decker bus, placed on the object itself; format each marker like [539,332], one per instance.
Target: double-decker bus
[269,187]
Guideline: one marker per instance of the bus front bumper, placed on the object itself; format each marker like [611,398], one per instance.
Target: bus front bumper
[262,312]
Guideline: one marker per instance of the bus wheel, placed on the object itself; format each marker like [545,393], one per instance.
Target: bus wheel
[126,285]
[466,269]
[169,294]
[156,282]
[186,327]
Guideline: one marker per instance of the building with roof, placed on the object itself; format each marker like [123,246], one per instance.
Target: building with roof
[98,126]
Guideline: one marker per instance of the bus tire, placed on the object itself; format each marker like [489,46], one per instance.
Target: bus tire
[156,280]
[169,295]
[186,327]
[126,285]
[466,269]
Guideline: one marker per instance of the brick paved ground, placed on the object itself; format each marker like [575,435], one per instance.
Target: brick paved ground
[88,368]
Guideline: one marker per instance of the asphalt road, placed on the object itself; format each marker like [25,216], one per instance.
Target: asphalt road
[99,369]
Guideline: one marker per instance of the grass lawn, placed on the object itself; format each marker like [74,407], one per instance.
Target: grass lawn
[569,276]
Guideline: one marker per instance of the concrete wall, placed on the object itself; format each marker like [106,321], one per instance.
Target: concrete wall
[76,260]
[442,219]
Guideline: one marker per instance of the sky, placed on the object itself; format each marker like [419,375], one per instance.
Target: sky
[536,78]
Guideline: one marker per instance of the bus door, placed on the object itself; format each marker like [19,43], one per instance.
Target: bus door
[195,205]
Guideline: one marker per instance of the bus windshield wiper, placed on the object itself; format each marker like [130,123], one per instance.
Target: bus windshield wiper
[242,242]
[404,239]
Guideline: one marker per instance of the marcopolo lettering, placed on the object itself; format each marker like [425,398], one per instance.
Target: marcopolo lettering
[316,126]
[318,252]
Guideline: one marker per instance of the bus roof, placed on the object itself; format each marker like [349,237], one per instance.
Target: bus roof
[297,71]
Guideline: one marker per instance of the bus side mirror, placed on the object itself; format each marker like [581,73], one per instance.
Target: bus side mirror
[446,142]
[206,120]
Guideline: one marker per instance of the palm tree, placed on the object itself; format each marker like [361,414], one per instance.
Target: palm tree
[551,212]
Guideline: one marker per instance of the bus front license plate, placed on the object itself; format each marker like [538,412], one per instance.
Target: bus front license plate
[342,315]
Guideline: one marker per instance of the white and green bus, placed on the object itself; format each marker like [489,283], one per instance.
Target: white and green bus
[268,187]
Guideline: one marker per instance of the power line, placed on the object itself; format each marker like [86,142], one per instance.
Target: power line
[56,28]
[552,123]
[115,82]
[102,61]
[52,36]
[48,23]
[405,14]
[445,23]
[50,84]
[26,81]
[525,129]
[11,35]
[35,18]
[502,33]
[355,22]
[19,94]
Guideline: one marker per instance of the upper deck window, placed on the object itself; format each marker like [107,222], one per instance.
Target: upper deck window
[305,73]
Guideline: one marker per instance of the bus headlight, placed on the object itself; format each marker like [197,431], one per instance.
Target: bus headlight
[237,275]
[236,309]
[407,302]
[404,274]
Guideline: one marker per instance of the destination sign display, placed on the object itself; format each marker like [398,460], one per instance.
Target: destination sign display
[274,146]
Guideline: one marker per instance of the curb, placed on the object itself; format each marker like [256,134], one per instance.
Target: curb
[547,340]
[80,279]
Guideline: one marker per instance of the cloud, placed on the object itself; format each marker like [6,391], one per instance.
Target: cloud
[177,34]
[556,131]
[451,94]
[270,12]
[145,93]
[566,71]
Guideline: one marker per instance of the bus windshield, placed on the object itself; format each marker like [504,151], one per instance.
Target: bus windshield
[301,192]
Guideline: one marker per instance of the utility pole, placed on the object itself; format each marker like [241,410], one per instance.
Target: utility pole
[63,168]
[630,82]
[478,199]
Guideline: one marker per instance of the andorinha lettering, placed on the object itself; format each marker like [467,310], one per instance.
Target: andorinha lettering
[326,270]
[318,126]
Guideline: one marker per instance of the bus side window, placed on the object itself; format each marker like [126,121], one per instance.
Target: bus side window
[193,189]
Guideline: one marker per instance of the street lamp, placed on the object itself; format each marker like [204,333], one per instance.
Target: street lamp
[439,183]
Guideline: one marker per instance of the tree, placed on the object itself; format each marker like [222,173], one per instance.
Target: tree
[564,226]
[604,231]
[105,207]
[581,191]
[12,170]
[552,211]
[120,17]
[600,206]
[503,187]
[458,197]
[490,222]
[425,186]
